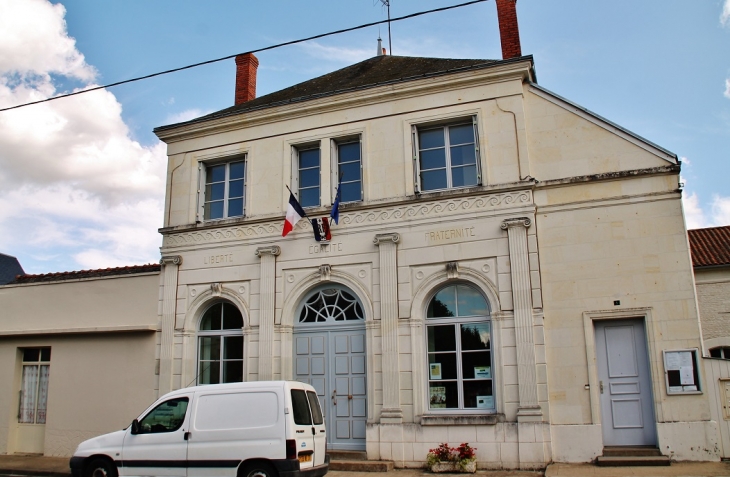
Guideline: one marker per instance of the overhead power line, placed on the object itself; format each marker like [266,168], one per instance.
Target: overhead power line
[278,45]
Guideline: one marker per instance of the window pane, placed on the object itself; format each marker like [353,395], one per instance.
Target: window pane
[350,192]
[478,394]
[432,138]
[308,178]
[464,176]
[350,171]
[461,155]
[236,170]
[309,197]
[210,348]
[471,302]
[461,134]
[441,338]
[349,152]
[300,405]
[232,371]
[45,354]
[716,352]
[214,210]
[314,406]
[31,355]
[475,336]
[235,207]
[233,347]
[447,365]
[235,189]
[232,318]
[216,174]
[309,158]
[443,395]
[212,318]
[476,365]
[209,372]
[215,191]
[28,394]
[42,395]
[433,159]
[433,180]
[443,305]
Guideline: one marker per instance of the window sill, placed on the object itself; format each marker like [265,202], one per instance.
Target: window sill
[462,419]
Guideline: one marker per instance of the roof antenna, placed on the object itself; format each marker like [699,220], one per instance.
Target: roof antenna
[386,3]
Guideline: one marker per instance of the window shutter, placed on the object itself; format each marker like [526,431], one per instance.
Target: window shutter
[476,150]
[362,174]
[416,162]
[201,193]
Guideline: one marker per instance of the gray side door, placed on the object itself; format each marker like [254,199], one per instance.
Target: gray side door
[627,407]
[333,362]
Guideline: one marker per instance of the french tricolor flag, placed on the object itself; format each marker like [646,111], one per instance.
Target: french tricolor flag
[294,213]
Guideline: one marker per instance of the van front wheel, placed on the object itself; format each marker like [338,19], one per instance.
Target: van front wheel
[101,468]
[257,469]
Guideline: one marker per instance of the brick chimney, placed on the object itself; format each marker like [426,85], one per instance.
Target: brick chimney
[246,66]
[509,33]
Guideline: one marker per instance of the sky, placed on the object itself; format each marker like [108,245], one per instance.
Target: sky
[82,179]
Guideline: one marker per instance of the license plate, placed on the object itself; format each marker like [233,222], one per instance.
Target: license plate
[305,458]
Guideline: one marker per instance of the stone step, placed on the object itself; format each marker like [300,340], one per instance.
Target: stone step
[623,451]
[347,455]
[361,465]
[632,461]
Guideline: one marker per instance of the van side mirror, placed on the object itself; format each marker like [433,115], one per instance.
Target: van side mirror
[135,427]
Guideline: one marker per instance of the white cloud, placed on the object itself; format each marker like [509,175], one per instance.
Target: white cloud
[727,86]
[693,214]
[186,115]
[337,53]
[720,210]
[725,15]
[73,182]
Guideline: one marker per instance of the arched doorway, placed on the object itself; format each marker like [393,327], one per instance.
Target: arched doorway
[329,353]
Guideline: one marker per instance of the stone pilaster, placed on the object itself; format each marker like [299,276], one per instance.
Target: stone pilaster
[391,412]
[529,409]
[267,303]
[170,265]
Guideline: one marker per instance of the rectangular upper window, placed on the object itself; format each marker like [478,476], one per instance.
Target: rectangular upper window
[349,170]
[446,156]
[223,189]
[308,166]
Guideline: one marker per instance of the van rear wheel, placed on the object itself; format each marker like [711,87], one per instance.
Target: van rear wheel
[101,468]
[258,469]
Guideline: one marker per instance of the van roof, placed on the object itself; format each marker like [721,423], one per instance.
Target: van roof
[242,385]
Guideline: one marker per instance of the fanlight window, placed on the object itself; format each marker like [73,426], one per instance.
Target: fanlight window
[331,304]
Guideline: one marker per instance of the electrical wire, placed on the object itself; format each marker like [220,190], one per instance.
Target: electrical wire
[271,47]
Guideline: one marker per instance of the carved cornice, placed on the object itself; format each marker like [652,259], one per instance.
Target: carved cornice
[171,260]
[272,250]
[385,238]
[516,222]
[371,216]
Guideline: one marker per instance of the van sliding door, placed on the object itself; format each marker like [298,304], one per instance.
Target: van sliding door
[320,437]
[304,429]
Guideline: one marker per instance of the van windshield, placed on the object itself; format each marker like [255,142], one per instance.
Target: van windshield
[300,404]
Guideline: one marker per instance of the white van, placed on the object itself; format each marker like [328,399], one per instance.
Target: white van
[254,429]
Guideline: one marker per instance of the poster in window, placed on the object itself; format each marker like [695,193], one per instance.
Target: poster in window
[438,397]
[485,402]
[482,372]
[435,370]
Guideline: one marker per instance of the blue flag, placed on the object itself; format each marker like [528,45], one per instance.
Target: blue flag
[335,214]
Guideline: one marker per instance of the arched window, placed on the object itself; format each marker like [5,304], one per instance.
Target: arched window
[720,352]
[459,344]
[220,345]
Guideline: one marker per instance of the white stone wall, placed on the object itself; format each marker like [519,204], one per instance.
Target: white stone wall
[713,298]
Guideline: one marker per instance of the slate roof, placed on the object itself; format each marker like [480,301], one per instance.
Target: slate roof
[376,71]
[103,272]
[710,247]
[9,268]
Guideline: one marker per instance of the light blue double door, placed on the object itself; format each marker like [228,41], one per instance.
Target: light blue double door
[333,362]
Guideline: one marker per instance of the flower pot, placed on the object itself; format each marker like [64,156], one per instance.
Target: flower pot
[453,467]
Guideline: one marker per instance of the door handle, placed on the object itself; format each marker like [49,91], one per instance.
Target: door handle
[334,397]
[349,396]
[186,436]
[600,385]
